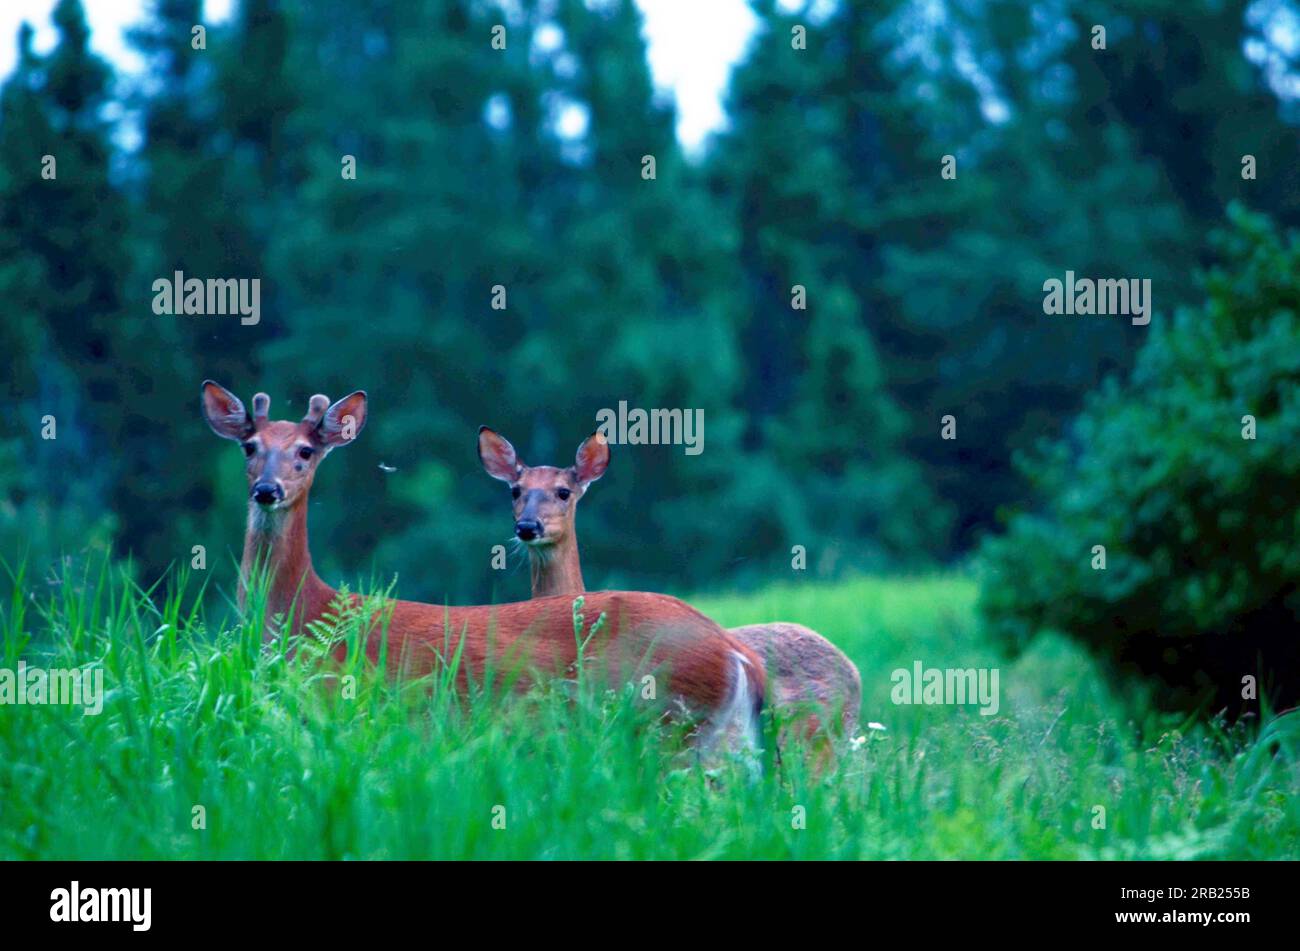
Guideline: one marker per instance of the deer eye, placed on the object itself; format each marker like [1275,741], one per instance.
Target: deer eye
[305,452]
[249,448]
[514,493]
[563,494]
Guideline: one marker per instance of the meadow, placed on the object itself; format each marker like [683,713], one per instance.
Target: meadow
[211,745]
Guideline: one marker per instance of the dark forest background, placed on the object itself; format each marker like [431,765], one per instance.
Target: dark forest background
[924,295]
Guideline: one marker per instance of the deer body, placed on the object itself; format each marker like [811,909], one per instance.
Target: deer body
[710,672]
[805,672]
[536,634]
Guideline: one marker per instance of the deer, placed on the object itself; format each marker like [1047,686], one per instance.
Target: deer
[709,674]
[808,676]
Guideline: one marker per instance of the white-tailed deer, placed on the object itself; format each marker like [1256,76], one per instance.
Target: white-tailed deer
[716,677]
[806,673]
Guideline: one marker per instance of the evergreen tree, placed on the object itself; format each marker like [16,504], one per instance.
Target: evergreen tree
[62,231]
[818,146]
[209,172]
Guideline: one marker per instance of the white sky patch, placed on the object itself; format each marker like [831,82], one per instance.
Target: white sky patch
[573,120]
[108,19]
[692,48]
[1275,44]
[548,38]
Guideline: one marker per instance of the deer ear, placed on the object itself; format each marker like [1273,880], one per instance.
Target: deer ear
[592,459]
[343,421]
[498,456]
[225,413]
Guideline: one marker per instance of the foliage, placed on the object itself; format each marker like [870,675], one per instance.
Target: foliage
[522,167]
[286,764]
[1200,525]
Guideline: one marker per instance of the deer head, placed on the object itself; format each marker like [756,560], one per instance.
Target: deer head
[545,497]
[282,455]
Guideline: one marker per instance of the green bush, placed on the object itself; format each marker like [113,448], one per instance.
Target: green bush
[1200,524]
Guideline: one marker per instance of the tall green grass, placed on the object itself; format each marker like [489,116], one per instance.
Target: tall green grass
[286,763]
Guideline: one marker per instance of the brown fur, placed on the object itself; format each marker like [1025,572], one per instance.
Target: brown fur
[642,632]
[538,493]
[809,676]
[806,671]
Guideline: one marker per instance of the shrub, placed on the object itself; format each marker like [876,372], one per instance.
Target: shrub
[1200,524]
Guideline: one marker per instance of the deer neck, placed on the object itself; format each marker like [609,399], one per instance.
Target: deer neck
[277,540]
[554,569]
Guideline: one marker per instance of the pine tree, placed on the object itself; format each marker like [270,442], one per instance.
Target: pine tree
[819,167]
[61,224]
[212,168]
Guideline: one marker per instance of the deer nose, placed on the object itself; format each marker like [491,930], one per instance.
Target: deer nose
[528,528]
[266,493]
